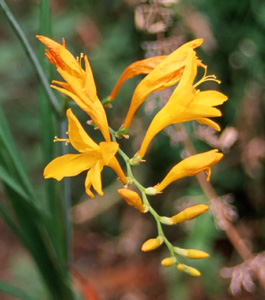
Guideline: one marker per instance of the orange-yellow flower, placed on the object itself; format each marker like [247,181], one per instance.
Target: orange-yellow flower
[190,166]
[91,157]
[144,66]
[79,84]
[164,75]
[186,104]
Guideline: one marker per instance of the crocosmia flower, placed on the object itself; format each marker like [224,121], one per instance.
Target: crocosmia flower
[91,157]
[164,75]
[186,104]
[144,66]
[79,84]
[190,166]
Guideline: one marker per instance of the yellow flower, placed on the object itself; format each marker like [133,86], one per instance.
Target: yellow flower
[186,104]
[92,157]
[164,75]
[79,85]
[144,66]
[190,166]
[133,199]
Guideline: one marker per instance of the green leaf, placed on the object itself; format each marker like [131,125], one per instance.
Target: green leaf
[9,289]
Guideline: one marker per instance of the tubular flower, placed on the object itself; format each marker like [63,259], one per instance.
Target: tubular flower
[79,84]
[164,75]
[190,166]
[133,199]
[186,104]
[144,66]
[185,215]
[92,157]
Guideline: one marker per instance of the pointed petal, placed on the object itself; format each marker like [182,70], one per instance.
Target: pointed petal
[114,164]
[88,187]
[190,166]
[166,74]
[190,70]
[94,178]
[195,111]
[70,62]
[77,135]
[68,165]
[54,48]
[90,86]
[210,98]
[144,66]
[209,123]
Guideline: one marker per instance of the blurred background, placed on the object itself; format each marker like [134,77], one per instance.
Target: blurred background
[107,233]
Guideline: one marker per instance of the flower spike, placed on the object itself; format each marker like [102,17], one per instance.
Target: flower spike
[79,84]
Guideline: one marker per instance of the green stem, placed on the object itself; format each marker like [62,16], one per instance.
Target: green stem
[141,188]
[21,36]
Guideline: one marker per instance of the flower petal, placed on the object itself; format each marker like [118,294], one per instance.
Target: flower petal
[114,164]
[68,165]
[166,74]
[108,150]
[77,135]
[210,98]
[209,123]
[94,178]
[144,66]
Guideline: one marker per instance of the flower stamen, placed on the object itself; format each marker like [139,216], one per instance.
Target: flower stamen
[206,78]
[56,139]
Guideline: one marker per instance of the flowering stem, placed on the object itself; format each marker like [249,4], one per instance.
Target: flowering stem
[142,189]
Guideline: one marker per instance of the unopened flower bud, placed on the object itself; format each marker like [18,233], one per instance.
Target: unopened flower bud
[187,269]
[133,199]
[189,213]
[152,244]
[191,253]
[168,261]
